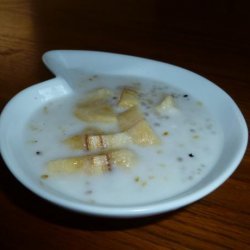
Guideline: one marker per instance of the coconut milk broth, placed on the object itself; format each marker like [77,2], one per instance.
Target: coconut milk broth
[191,142]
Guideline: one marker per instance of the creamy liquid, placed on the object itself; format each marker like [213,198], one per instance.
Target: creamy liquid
[191,142]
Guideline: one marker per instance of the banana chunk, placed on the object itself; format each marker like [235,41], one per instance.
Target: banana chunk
[75,142]
[110,141]
[123,158]
[78,141]
[135,130]
[93,142]
[142,134]
[128,99]
[92,164]
[67,166]
[95,111]
[96,107]
[166,104]
[130,117]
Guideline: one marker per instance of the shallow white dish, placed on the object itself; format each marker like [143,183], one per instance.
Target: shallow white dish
[15,115]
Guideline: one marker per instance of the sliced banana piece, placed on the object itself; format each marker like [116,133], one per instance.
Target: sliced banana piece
[96,107]
[166,104]
[92,164]
[142,134]
[110,141]
[95,111]
[98,142]
[78,141]
[130,117]
[75,142]
[128,99]
[67,166]
[123,158]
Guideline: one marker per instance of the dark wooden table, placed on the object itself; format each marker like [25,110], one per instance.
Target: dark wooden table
[211,38]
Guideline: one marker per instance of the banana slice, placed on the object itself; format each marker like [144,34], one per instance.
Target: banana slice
[102,142]
[75,142]
[166,104]
[142,134]
[67,166]
[95,111]
[133,123]
[98,141]
[130,117]
[128,99]
[96,108]
[92,164]
[123,158]
[78,142]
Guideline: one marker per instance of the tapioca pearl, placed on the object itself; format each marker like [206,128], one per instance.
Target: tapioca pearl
[166,117]
[159,151]
[179,159]
[198,171]
[196,137]
[162,165]
[157,124]
[88,192]
[209,126]
[191,177]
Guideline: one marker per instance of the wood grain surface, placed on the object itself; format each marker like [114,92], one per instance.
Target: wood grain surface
[211,38]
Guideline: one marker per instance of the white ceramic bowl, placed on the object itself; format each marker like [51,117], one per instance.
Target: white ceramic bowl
[16,113]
